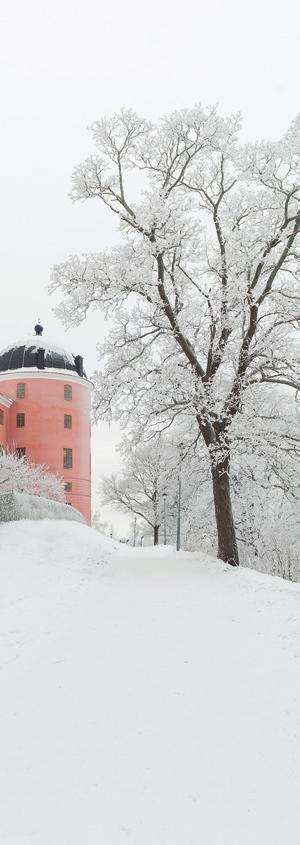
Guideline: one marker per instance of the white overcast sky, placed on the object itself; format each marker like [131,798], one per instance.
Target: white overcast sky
[64,64]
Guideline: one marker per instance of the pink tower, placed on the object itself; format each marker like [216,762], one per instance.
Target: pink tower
[45,400]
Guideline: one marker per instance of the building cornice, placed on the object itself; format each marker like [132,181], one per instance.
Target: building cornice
[56,375]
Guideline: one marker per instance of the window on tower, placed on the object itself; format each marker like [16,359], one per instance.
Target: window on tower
[20,452]
[68,458]
[1,417]
[21,390]
[68,486]
[68,392]
[20,420]
[68,421]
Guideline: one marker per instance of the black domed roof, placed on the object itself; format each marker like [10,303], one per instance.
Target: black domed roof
[37,352]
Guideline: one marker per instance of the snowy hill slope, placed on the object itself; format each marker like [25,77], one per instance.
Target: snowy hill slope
[146,697]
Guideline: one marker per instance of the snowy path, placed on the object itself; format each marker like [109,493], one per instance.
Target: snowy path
[153,700]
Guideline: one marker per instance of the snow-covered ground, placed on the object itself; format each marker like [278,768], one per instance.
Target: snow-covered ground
[147,697]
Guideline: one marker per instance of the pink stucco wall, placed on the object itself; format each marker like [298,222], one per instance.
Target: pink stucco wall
[4,424]
[44,436]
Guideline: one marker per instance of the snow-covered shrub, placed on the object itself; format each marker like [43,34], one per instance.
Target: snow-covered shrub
[15,506]
[20,475]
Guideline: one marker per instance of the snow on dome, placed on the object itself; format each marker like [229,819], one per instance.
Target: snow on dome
[27,353]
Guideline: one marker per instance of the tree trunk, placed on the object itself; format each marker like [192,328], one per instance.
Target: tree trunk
[227,544]
[155,535]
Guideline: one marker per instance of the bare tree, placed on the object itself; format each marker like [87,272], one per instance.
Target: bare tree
[140,487]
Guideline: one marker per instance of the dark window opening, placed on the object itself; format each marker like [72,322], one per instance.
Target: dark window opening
[21,391]
[1,417]
[68,421]
[20,452]
[79,365]
[68,458]
[68,486]
[68,392]
[40,359]
[20,420]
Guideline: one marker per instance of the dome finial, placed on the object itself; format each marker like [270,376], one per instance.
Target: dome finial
[39,328]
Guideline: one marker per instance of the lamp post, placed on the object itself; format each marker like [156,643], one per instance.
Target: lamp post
[179,499]
[178,510]
[165,519]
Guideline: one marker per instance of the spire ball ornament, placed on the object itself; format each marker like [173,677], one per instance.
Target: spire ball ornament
[39,328]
